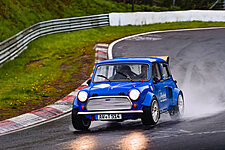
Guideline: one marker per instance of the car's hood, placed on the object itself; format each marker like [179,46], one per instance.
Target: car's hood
[113,88]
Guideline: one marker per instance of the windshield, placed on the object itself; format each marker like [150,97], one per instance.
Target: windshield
[122,72]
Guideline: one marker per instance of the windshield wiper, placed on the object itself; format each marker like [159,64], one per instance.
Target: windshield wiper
[125,75]
[99,75]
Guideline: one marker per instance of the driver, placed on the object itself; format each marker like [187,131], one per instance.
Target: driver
[124,70]
[144,70]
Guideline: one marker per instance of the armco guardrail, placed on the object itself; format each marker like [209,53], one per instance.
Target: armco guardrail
[12,47]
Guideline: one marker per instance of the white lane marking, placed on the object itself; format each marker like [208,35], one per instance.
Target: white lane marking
[182,132]
[153,32]
[185,131]
[146,37]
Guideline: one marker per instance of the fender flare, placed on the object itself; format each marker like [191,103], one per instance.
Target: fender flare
[75,103]
[176,93]
[148,99]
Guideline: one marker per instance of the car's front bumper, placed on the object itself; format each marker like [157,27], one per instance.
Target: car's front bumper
[112,112]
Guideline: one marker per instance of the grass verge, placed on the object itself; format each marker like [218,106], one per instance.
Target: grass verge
[16,15]
[55,65]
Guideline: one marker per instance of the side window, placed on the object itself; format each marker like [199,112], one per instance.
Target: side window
[165,71]
[156,72]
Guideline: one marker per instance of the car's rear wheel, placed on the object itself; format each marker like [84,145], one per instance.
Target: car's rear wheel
[177,111]
[151,113]
[80,122]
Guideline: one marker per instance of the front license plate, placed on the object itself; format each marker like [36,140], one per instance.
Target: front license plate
[109,116]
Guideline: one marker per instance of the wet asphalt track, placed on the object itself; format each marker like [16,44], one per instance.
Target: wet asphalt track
[197,63]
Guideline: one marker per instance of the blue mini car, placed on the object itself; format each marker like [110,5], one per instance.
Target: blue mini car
[128,88]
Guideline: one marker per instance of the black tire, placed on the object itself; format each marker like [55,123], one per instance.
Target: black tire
[148,118]
[177,111]
[80,122]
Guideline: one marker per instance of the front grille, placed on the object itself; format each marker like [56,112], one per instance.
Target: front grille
[109,103]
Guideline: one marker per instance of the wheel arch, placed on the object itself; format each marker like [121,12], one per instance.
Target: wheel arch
[176,93]
[148,99]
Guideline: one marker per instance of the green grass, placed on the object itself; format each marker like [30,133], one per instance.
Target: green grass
[55,65]
[16,15]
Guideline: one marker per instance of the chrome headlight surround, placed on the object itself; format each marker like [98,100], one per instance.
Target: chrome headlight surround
[134,94]
[82,96]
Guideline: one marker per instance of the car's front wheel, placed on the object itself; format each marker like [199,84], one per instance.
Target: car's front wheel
[177,111]
[151,113]
[80,122]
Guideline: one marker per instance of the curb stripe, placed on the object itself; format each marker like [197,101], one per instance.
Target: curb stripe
[100,58]
[7,125]
[74,93]
[62,108]
[68,98]
[27,119]
[46,113]
[101,45]
[100,55]
[81,87]
[101,52]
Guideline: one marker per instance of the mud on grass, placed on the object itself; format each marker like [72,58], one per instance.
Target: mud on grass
[84,64]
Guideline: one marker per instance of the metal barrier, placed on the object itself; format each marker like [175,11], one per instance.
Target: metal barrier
[12,47]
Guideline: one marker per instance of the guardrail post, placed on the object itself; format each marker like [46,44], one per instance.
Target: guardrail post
[12,47]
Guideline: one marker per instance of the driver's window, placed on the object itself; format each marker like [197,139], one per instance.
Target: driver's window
[165,71]
[156,71]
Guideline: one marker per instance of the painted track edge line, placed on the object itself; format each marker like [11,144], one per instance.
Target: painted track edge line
[152,32]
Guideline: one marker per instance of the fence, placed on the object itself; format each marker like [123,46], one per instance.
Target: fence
[12,47]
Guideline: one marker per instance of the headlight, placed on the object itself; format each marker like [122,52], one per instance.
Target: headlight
[82,96]
[134,94]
